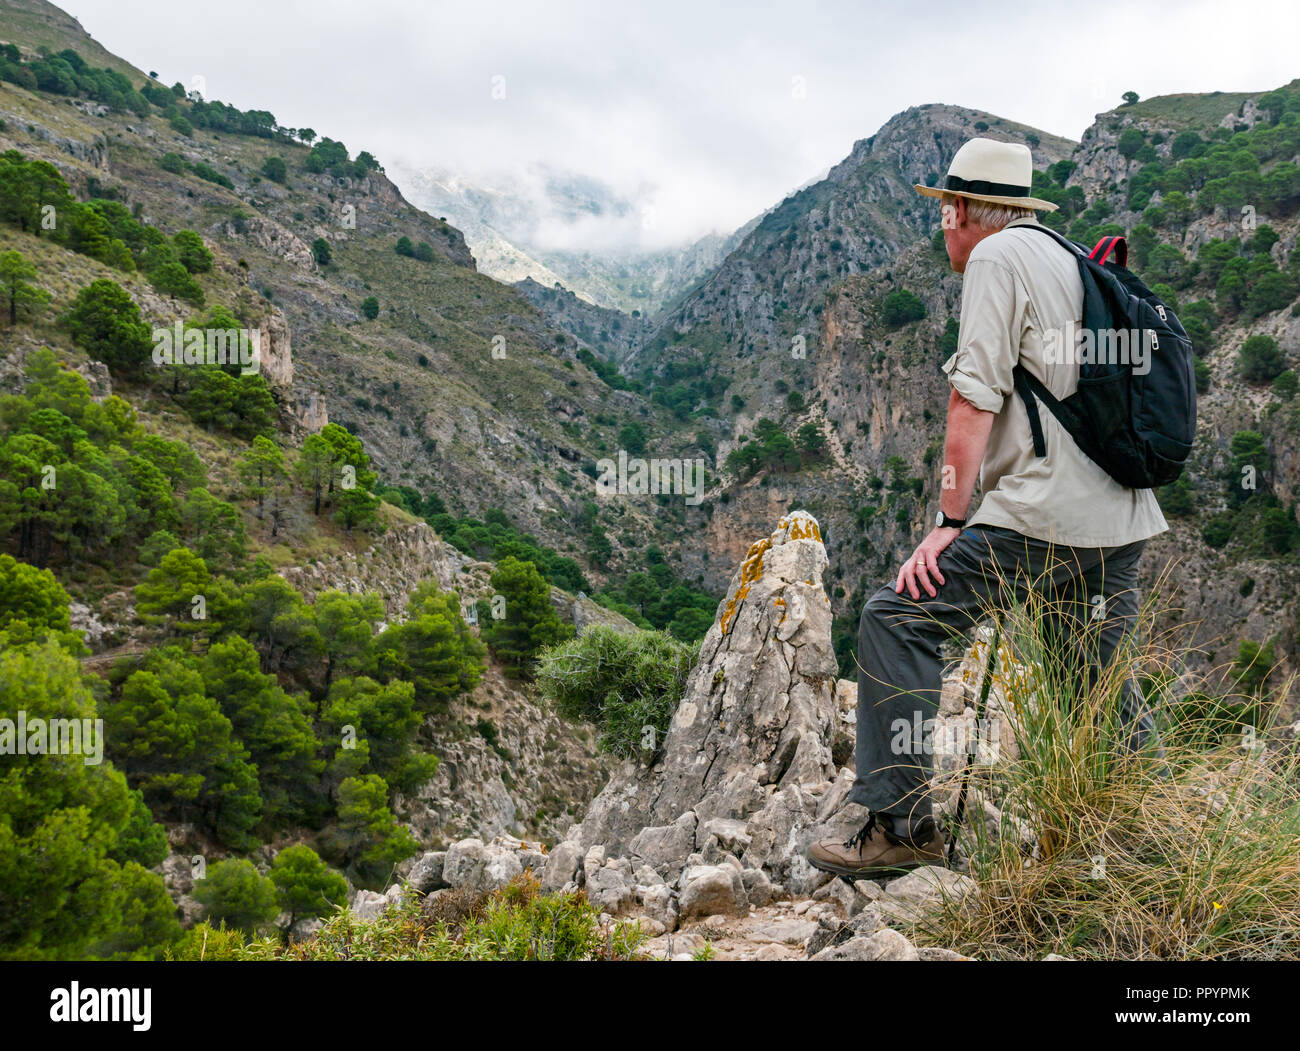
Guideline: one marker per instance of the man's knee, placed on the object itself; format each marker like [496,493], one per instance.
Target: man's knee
[884,614]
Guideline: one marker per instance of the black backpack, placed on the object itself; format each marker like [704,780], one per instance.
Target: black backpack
[1137,426]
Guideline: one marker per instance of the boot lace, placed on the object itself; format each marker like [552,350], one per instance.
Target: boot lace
[861,836]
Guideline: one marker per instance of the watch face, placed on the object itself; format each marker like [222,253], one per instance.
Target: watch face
[938,519]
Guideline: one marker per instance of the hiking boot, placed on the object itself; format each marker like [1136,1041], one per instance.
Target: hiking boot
[875,851]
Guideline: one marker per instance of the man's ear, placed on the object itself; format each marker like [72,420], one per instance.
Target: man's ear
[959,212]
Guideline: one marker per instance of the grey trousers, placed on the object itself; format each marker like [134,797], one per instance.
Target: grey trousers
[900,668]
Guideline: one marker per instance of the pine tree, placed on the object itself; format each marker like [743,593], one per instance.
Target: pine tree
[530,622]
[260,468]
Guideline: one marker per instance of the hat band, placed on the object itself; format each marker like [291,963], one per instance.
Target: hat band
[957,184]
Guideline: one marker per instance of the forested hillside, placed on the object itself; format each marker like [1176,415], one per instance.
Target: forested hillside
[191,292]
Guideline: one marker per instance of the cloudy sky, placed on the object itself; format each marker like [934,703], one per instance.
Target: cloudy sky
[704,113]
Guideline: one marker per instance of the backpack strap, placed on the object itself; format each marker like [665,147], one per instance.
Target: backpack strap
[1061,239]
[1025,388]
[1115,243]
[1032,390]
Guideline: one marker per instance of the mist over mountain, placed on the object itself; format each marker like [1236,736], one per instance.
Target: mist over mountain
[551,226]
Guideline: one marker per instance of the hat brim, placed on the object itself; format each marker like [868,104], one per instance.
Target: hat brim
[1036,203]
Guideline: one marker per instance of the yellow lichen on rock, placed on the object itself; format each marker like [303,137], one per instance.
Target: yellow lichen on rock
[730,611]
[750,570]
[803,528]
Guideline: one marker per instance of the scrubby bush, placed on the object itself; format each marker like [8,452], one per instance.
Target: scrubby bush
[1202,373]
[1130,141]
[233,893]
[305,885]
[275,169]
[1260,359]
[902,307]
[516,922]
[627,684]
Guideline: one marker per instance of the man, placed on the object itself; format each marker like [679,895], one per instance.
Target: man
[1057,523]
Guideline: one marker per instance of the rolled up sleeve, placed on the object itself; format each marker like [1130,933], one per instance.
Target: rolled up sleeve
[988,341]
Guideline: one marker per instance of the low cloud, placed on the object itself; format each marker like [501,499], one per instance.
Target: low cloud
[685,108]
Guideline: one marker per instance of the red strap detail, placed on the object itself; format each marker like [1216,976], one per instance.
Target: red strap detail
[1106,245]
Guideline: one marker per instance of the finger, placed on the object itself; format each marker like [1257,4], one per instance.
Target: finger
[923,575]
[902,575]
[938,576]
[909,577]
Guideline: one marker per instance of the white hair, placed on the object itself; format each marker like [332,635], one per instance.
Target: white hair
[989,216]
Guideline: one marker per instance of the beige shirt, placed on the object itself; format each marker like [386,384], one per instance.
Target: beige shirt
[1018,285]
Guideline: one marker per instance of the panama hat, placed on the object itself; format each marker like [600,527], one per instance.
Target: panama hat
[988,170]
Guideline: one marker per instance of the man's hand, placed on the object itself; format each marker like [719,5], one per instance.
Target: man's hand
[925,562]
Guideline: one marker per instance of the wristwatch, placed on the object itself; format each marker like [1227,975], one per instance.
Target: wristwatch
[941,520]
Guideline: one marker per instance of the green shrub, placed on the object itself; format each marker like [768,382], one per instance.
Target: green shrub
[304,885]
[901,308]
[517,922]
[233,893]
[1177,498]
[1253,665]
[205,942]
[210,174]
[1202,373]
[1286,384]
[627,684]
[275,169]
[1218,530]
[1260,359]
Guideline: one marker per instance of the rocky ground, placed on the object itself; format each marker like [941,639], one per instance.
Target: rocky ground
[709,911]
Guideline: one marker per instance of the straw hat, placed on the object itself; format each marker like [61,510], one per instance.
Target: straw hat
[988,170]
